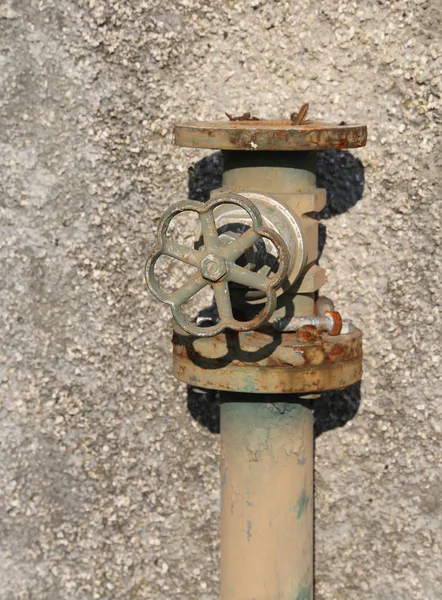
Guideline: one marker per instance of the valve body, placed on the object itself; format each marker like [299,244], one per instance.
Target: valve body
[275,358]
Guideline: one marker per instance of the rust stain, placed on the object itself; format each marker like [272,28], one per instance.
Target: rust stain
[336,353]
[266,361]
[308,333]
[244,117]
[298,118]
[337,321]
[246,130]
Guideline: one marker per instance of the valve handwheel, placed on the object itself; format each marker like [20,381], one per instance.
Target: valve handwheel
[215,264]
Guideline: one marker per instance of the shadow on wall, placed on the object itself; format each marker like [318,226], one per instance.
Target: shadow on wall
[342,175]
[332,410]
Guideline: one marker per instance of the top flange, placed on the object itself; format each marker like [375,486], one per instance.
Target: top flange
[269,135]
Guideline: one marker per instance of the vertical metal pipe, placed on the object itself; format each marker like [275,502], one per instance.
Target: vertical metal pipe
[269,172]
[267,498]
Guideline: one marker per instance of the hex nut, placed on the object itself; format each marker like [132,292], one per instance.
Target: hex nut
[213,267]
[335,322]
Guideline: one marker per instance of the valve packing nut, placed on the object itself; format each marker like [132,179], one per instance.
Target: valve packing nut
[213,267]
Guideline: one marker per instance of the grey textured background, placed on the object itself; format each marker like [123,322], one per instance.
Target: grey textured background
[109,486]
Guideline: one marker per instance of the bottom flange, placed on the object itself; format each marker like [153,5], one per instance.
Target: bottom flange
[267,361]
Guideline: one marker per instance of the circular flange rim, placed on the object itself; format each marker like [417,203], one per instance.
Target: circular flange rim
[273,135]
[333,362]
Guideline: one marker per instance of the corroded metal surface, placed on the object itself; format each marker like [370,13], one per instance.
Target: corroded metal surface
[216,266]
[267,499]
[330,321]
[269,135]
[299,118]
[268,361]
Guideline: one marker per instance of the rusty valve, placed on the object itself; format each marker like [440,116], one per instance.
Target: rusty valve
[257,240]
[216,265]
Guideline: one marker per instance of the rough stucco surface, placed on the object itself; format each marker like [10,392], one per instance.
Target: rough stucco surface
[109,486]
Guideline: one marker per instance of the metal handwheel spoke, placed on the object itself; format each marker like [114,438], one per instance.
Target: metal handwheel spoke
[189,289]
[216,266]
[183,253]
[222,298]
[242,243]
[210,234]
[248,278]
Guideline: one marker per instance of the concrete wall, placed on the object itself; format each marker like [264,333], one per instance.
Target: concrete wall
[109,471]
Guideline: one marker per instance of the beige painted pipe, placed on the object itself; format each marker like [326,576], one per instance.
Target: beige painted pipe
[267,498]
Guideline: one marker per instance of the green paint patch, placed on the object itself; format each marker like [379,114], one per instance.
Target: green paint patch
[305,593]
[248,384]
[302,504]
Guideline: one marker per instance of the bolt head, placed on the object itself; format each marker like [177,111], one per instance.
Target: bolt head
[213,267]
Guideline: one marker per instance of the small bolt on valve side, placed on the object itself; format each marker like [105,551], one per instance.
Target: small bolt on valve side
[270,342]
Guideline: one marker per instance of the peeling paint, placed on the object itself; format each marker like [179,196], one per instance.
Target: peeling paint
[266,550]
[233,499]
[249,530]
